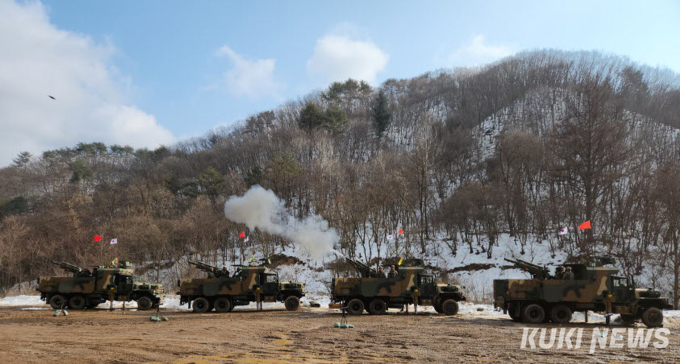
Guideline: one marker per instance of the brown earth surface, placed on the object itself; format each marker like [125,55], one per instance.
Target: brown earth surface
[278,336]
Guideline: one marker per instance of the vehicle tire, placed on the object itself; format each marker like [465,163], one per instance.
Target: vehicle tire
[450,307]
[201,305]
[222,304]
[292,303]
[355,307]
[57,302]
[652,317]
[628,319]
[377,307]
[144,303]
[512,312]
[438,308]
[533,314]
[561,314]
[77,302]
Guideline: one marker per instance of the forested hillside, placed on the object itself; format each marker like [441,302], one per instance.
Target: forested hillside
[457,158]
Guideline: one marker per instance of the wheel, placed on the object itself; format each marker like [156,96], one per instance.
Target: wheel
[144,303]
[450,307]
[560,314]
[533,314]
[222,304]
[292,303]
[355,307]
[57,302]
[77,302]
[628,319]
[377,307]
[514,307]
[652,317]
[201,305]
[438,308]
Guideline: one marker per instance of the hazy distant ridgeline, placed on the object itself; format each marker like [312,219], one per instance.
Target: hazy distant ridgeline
[525,146]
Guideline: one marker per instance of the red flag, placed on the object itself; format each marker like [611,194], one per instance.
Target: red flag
[97,238]
[242,234]
[585,225]
[401,231]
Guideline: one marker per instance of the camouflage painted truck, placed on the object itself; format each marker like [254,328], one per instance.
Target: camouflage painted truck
[88,289]
[250,283]
[596,288]
[376,293]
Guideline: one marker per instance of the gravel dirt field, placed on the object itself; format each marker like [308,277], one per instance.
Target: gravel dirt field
[278,336]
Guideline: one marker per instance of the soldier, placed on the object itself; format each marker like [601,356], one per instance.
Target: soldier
[212,273]
[225,272]
[559,272]
[568,275]
[381,273]
[393,272]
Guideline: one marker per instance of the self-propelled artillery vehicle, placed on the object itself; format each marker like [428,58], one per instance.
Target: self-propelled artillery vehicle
[593,288]
[250,283]
[88,289]
[376,293]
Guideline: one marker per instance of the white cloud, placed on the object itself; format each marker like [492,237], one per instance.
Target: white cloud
[249,78]
[338,57]
[477,52]
[37,60]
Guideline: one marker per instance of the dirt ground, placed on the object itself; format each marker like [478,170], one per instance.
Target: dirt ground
[278,336]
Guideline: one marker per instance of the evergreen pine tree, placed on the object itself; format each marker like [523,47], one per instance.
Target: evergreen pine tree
[381,114]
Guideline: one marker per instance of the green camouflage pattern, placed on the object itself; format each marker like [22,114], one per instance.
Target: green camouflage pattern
[87,289]
[409,286]
[250,284]
[594,288]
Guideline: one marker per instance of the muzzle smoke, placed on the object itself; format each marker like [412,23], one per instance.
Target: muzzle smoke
[261,208]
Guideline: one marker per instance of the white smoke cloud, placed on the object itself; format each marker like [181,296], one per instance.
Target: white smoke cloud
[261,208]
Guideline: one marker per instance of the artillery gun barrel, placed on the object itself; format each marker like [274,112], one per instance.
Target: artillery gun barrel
[536,270]
[364,269]
[524,263]
[203,266]
[69,267]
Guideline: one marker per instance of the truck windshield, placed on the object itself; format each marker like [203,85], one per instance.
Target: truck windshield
[620,282]
[426,279]
[271,278]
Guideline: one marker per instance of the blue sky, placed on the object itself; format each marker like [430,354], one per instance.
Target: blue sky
[155,72]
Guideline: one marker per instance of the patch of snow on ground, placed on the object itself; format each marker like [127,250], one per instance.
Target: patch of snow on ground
[22,300]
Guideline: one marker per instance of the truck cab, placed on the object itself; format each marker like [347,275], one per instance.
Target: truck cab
[427,285]
[269,283]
